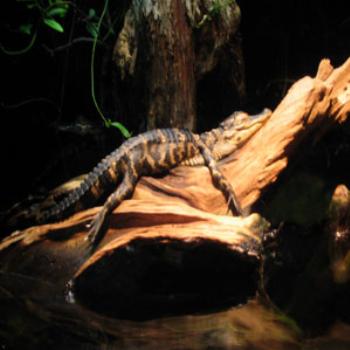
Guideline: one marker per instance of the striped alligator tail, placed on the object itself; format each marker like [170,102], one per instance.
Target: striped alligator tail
[90,190]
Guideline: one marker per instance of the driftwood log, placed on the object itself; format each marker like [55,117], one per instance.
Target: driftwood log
[176,225]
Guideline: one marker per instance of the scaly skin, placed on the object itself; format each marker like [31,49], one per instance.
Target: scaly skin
[154,152]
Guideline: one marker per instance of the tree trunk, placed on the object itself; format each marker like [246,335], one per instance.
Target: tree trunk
[166,47]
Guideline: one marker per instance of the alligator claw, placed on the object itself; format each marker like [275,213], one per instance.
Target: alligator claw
[97,231]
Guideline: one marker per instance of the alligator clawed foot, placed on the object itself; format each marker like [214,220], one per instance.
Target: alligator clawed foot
[96,232]
[233,206]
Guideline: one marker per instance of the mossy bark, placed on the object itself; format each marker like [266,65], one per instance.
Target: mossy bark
[166,47]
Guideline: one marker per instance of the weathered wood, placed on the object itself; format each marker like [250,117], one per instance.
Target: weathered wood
[180,210]
[311,106]
[179,263]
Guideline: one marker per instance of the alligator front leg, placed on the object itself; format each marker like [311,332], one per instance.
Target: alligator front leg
[220,180]
[100,223]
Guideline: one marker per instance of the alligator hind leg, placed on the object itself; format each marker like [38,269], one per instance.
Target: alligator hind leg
[100,223]
[220,180]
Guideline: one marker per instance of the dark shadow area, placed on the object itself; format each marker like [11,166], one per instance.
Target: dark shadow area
[284,41]
[299,260]
[149,278]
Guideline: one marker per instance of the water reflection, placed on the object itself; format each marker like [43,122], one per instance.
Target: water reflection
[33,315]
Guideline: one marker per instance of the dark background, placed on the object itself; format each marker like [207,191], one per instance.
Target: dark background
[282,42]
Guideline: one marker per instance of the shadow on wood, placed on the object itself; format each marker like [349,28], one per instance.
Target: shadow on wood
[171,239]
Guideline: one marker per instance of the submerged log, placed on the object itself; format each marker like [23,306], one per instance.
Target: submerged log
[173,226]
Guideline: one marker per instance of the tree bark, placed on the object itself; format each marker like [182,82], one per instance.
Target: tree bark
[166,47]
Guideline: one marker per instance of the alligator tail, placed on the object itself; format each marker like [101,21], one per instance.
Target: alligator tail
[89,191]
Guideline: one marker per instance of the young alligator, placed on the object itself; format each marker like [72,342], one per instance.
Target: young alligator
[154,152]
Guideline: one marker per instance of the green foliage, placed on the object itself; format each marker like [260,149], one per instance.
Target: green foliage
[53,24]
[108,122]
[92,13]
[26,28]
[92,23]
[219,5]
[48,11]
[125,132]
[51,13]
[214,10]
[58,11]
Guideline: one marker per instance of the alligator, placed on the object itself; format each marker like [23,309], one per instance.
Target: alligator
[151,153]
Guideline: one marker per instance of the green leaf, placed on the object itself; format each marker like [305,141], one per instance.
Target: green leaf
[120,127]
[92,13]
[26,28]
[57,11]
[92,28]
[53,24]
